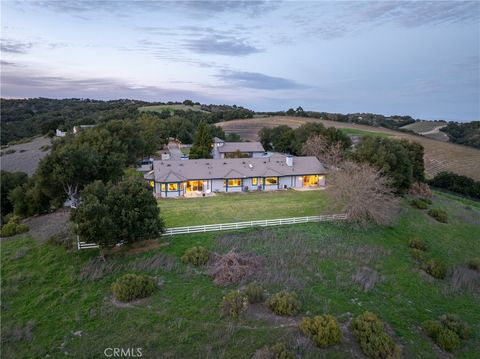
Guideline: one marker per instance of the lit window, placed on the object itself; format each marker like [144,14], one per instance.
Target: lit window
[254,181]
[173,187]
[234,182]
[271,180]
[163,187]
[261,180]
[152,184]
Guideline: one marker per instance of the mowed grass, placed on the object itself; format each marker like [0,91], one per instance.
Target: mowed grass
[237,207]
[58,303]
[161,108]
[439,155]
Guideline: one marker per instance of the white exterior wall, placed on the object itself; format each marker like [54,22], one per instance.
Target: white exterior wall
[217,185]
[285,181]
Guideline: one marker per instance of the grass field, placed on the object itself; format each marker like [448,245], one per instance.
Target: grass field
[423,126]
[357,132]
[439,156]
[236,207]
[161,108]
[27,155]
[57,303]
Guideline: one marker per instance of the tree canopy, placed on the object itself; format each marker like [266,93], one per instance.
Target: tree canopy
[202,145]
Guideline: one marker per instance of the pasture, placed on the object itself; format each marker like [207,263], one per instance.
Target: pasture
[25,156]
[170,108]
[237,207]
[439,156]
[57,303]
[424,126]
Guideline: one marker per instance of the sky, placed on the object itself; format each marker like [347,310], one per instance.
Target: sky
[388,57]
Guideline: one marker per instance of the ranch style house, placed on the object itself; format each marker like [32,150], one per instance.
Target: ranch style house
[174,178]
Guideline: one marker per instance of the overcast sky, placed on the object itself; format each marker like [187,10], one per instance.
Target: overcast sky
[413,58]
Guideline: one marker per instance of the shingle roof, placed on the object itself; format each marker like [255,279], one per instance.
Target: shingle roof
[228,147]
[177,171]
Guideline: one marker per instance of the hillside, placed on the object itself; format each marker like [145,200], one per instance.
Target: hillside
[43,286]
[439,156]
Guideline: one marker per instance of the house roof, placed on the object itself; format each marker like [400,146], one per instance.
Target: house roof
[229,147]
[274,166]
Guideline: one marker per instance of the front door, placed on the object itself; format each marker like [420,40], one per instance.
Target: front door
[194,186]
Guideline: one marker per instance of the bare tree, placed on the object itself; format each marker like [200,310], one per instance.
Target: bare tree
[364,193]
[329,154]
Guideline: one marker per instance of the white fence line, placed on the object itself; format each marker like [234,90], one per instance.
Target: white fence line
[237,225]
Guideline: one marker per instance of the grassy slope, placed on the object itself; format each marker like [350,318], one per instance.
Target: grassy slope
[236,207]
[182,318]
[357,132]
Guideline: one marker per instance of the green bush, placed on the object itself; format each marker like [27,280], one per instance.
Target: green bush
[234,304]
[322,329]
[284,303]
[132,286]
[448,340]
[419,203]
[13,227]
[439,214]
[474,264]
[417,243]
[196,255]
[432,328]
[369,331]
[418,254]
[435,268]
[254,293]
[454,323]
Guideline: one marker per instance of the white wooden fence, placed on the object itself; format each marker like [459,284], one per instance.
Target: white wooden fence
[237,225]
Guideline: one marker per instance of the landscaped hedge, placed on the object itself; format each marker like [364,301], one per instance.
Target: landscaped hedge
[132,286]
[322,329]
[457,183]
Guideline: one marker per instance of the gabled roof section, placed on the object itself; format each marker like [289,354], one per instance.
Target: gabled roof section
[225,168]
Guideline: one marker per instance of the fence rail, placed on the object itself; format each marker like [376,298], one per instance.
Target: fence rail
[238,225]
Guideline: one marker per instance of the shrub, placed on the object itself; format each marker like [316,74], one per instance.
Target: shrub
[454,323]
[233,267]
[13,227]
[276,351]
[432,328]
[416,243]
[439,214]
[254,293]
[457,183]
[419,203]
[448,340]
[132,286]
[323,329]
[196,255]
[369,331]
[474,264]
[418,254]
[421,190]
[234,304]
[435,268]
[284,303]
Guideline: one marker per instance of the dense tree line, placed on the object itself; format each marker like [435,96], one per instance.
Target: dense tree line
[40,116]
[467,134]
[287,140]
[456,183]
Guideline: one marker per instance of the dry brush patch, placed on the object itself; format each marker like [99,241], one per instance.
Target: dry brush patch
[233,267]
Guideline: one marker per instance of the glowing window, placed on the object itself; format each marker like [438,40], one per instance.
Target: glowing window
[271,180]
[173,186]
[254,181]
[152,184]
[234,182]
[163,187]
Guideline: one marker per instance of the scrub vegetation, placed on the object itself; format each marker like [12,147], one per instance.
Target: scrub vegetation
[44,285]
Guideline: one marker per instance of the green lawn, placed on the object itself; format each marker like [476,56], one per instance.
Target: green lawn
[357,132]
[59,303]
[236,207]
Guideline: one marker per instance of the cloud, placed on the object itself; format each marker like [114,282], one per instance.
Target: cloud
[221,45]
[256,80]
[22,83]
[15,47]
